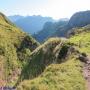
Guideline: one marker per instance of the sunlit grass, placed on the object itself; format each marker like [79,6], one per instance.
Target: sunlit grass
[65,76]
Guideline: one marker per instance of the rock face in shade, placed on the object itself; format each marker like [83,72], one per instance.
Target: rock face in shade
[80,19]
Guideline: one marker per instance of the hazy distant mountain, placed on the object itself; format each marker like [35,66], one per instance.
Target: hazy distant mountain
[30,24]
[15,17]
[61,28]
[78,19]
[48,30]
[64,19]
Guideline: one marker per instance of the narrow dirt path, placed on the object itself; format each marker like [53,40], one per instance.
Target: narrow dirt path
[2,72]
[86,71]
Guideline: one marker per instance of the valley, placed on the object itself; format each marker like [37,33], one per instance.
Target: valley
[60,61]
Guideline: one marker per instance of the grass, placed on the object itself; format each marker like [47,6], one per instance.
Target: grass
[43,68]
[11,44]
[65,76]
[82,40]
[39,59]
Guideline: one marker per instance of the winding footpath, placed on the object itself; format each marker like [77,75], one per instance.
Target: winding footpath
[2,73]
[86,71]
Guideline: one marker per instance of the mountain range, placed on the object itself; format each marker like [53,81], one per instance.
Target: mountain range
[30,24]
[56,64]
[79,19]
[48,30]
[61,28]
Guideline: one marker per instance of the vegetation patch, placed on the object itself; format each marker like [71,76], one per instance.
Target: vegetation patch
[64,76]
[11,39]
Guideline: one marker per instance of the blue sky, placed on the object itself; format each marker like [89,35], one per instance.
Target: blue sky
[54,8]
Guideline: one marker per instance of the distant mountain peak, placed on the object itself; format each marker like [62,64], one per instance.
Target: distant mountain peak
[30,24]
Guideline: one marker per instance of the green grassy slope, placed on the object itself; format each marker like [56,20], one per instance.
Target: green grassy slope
[63,70]
[51,66]
[39,59]
[81,39]
[15,46]
[66,76]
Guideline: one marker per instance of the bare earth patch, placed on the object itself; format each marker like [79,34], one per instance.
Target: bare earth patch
[86,71]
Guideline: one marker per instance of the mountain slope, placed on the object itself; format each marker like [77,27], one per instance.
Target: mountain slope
[77,20]
[57,64]
[48,30]
[81,39]
[65,76]
[14,48]
[53,66]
